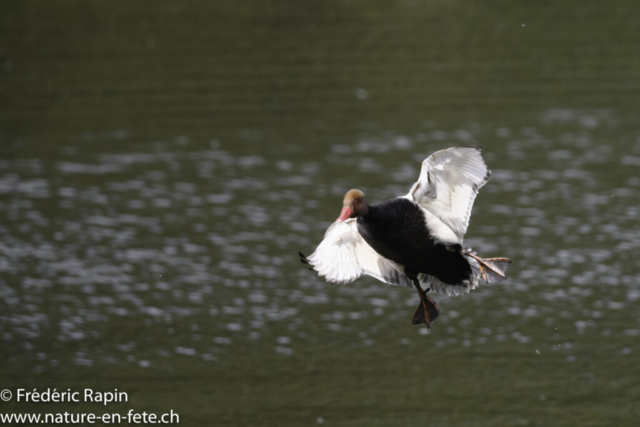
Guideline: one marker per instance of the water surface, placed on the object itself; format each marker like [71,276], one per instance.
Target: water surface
[161,165]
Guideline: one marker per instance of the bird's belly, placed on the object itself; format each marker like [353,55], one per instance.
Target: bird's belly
[416,250]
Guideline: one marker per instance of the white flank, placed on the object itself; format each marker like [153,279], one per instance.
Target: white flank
[427,281]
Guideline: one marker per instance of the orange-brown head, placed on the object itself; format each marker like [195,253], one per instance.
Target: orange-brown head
[354,205]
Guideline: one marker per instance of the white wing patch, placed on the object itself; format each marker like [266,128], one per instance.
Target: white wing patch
[448,184]
[343,256]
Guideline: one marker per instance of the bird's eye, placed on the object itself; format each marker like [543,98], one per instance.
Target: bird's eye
[356,203]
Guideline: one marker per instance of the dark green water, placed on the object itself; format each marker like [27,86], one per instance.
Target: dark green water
[161,165]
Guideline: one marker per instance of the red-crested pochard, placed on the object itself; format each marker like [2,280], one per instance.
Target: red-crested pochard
[414,240]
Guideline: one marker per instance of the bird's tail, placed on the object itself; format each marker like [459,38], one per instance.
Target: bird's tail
[491,269]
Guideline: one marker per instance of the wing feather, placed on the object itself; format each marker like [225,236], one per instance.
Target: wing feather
[344,255]
[448,184]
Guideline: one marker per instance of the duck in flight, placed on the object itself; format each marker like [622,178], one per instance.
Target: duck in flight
[414,240]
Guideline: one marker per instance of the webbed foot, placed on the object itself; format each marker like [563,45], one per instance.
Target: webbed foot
[426,312]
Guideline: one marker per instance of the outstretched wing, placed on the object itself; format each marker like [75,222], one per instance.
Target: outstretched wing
[343,256]
[448,184]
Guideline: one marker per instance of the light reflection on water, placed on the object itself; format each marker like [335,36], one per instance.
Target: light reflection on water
[209,236]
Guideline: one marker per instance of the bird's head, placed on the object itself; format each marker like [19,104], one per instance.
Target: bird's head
[354,205]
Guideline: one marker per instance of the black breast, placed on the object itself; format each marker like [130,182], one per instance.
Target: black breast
[397,230]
